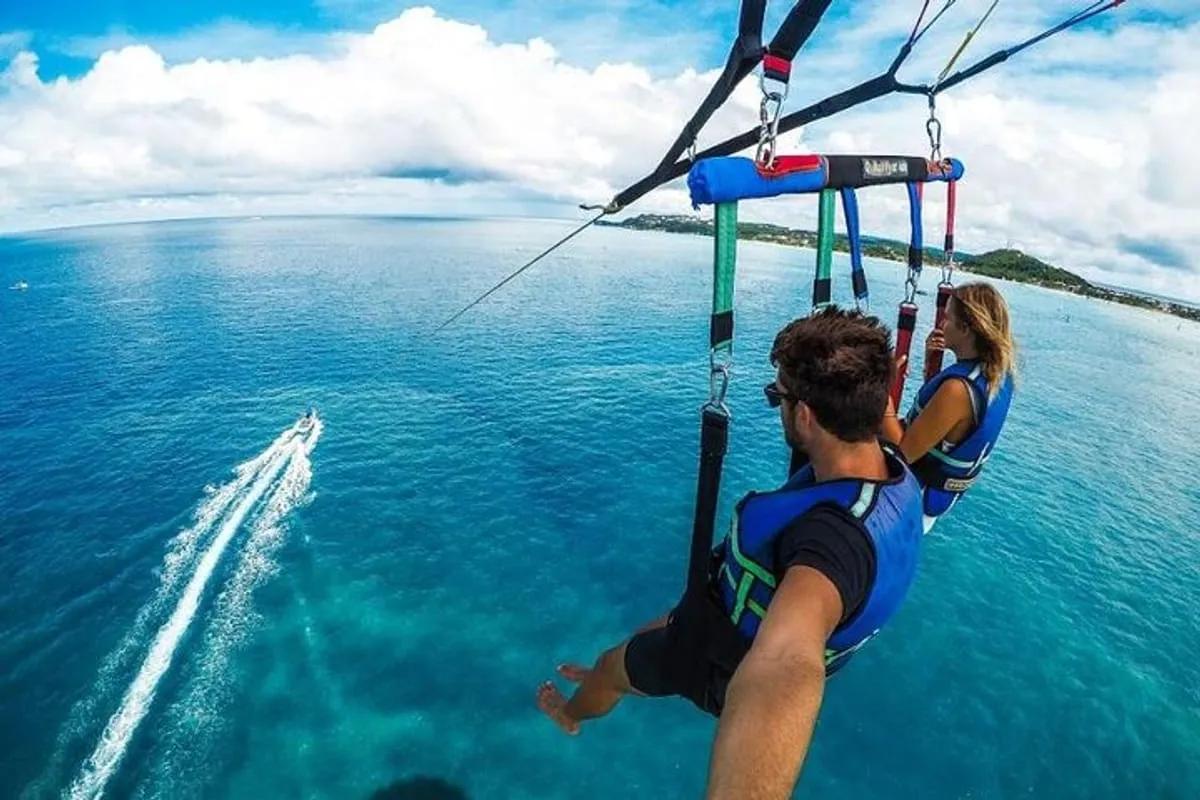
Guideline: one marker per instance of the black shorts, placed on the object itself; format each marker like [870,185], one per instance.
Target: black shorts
[680,658]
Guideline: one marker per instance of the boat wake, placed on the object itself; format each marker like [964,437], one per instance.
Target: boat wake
[256,500]
[193,724]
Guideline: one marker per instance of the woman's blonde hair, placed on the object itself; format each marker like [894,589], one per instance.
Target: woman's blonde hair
[984,312]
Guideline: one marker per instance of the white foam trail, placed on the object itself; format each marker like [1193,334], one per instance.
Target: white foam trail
[195,722]
[113,742]
[181,552]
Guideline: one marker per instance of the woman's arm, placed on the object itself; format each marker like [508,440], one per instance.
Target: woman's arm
[891,430]
[949,411]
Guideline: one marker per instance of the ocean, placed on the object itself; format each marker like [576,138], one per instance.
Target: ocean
[203,597]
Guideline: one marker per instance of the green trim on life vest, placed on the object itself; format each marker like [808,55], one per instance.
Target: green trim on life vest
[751,571]
[954,462]
[750,566]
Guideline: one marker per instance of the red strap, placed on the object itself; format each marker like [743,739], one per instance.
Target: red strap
[951,202]
[776,67]
[933,361]
[905,325]
[788,165]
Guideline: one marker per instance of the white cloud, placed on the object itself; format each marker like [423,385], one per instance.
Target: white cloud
[425,114]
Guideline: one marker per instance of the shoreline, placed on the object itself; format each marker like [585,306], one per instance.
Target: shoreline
[1006,264]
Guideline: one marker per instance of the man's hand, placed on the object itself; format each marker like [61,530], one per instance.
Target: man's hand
[772,701]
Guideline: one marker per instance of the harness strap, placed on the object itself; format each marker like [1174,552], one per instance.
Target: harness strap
[714,438]
[714,417]
[745,54]
[906,322]
[916,239]
[858,276]
[933,362]
[823,280]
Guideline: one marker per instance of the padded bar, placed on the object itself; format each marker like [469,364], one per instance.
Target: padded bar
[722,180]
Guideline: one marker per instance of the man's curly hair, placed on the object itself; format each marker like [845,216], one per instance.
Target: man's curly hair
[839,364]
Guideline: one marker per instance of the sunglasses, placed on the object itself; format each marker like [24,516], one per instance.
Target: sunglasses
[775,396]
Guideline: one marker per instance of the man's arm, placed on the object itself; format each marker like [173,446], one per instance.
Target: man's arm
[772,701]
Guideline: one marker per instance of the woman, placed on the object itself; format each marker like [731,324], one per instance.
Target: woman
[956,419]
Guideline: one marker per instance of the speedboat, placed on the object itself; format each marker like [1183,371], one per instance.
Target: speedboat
[19,286]
[307,421]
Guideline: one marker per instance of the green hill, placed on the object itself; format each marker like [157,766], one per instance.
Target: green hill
[1013,265]
[1007,264]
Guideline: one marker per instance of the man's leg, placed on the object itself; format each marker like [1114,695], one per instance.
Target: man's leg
[600,688]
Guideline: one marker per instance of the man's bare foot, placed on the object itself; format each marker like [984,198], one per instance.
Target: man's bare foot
[552,703]
[573,672]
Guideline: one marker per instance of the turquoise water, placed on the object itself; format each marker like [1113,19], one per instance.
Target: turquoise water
[516,492]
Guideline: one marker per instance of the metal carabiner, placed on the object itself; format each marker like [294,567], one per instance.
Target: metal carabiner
[948,270]
[718,382]
[933,129]
[910,287]
[762,85]
[768,131]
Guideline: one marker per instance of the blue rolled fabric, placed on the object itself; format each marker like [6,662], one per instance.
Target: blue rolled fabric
[723,180]
[955,172]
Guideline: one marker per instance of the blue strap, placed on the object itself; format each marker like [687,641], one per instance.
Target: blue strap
[858,276]
[916,245]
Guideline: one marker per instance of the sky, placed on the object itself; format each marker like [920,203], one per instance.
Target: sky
[1078,151]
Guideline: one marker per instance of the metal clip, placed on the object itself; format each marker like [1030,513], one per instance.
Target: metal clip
[718,381]
[768,131]
[762,85]
[910,286]
[933,129]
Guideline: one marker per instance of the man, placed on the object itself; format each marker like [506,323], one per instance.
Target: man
[807,575]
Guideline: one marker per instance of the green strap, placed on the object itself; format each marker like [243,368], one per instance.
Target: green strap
[724,264]
[822,285]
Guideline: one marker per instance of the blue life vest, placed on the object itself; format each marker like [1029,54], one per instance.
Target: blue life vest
[948,470]
[890,513]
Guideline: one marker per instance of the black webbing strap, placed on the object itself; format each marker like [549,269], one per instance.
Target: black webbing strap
[868,90]
[720,328]
[744,56]
[714,438]
[800,23]
[864,92]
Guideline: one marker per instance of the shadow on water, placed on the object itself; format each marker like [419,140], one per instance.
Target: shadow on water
[419,788]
